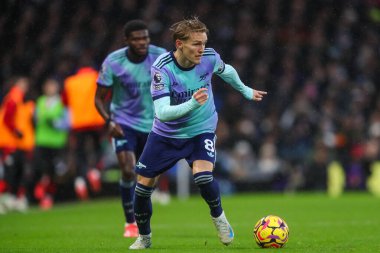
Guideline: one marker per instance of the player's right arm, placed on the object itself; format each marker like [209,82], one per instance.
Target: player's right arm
[101,95]
[166,112]
[160,90]
[103,92]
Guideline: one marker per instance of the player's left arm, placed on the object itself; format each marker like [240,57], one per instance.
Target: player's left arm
[230,75]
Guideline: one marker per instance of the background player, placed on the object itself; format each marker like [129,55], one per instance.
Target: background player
[185,123]
[86,127]
[16,144]
[51,134]
[126,72]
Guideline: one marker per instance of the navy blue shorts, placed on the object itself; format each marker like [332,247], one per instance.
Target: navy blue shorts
[133,140]
[161,153]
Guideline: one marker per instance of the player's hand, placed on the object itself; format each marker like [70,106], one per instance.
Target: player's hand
[258,95]
[115,130]
[201,96]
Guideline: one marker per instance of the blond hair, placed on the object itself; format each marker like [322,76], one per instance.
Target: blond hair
[182,29]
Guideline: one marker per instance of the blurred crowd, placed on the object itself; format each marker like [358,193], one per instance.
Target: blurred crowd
[318,60]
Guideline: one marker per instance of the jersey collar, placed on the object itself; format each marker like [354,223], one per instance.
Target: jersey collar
[179,66]
[135,61]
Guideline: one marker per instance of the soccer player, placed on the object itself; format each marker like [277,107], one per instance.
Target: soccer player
[126,72]
[185,123]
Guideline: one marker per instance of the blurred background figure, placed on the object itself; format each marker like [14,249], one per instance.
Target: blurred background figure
[125,74]
[16,145]
[86,128]
[51,132]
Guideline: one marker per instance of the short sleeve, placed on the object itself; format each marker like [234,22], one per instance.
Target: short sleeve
[160,86]
[105,74]
[219,64]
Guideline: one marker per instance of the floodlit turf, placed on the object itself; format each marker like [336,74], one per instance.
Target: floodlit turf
[317,223]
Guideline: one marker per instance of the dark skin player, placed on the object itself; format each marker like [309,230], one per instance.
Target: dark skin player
[138,43]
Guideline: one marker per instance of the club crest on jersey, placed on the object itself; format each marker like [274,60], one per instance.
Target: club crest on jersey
[157,77]
[203,77]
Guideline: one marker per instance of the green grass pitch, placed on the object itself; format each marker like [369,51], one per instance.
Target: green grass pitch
[317,223]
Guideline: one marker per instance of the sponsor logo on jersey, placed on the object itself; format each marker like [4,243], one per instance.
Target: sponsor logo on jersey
[158,86]
[102,71]
[181,97]
[221,66]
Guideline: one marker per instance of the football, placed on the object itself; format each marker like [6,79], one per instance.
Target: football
[271,232]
